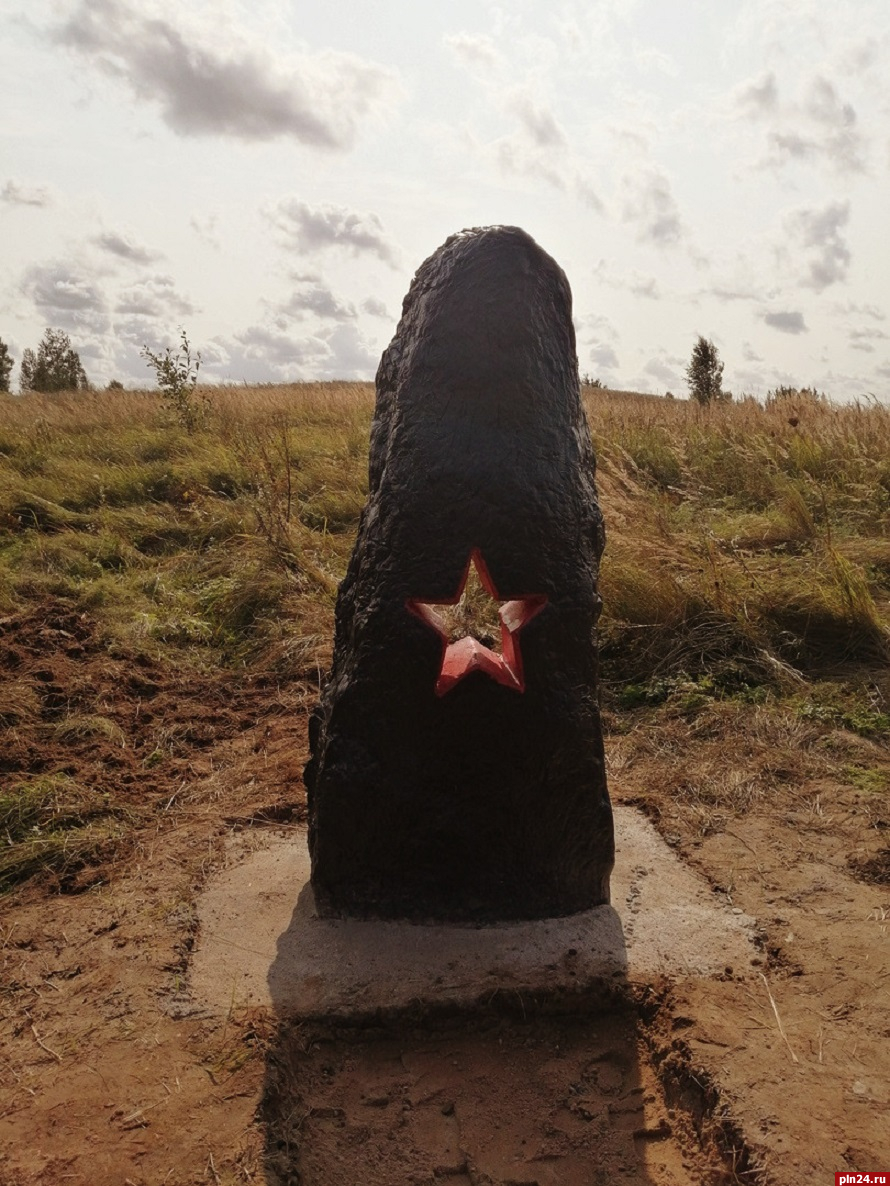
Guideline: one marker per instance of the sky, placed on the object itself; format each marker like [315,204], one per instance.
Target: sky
[268,176]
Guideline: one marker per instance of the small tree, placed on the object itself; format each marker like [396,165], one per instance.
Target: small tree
[55,367]
[5,366]
[705,372]
[176,375]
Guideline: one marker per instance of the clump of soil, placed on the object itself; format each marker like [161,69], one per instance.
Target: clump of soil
[110,738]
[874,869]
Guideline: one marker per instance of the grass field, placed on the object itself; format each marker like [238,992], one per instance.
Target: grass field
[747,571]
[166,617]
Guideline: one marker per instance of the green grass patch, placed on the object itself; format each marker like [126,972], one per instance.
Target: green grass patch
[867,778]
[53,825]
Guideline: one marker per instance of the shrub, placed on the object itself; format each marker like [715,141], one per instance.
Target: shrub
[176,375]
[801,395]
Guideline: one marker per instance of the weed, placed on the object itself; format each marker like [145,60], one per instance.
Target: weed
[235,606]
[52,824]
[868,779]
[176,374]
[19,702]
[843,711]
[78,727]
[653,453]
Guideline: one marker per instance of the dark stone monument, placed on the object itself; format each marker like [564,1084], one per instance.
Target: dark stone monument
[456,766]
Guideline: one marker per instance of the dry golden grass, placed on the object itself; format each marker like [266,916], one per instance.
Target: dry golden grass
[741,528]
[19,702]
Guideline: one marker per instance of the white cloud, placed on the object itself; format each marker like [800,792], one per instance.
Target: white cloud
[475,50]
[864,339]
[108,325]
[258,355]
[16,194]
[596,335]
[538,146]
[312,296]
[814,245]
[666,371]
[647,58]
[786,322]
[67,296]
[587,194]
[125,247]
[728,295]
[603,357]
[147,313]
[757,98]
[817,127]
[649,205]
[154,298]
[206,227]
[514,156]
[205,87]
[875,312]
[538,123]
[350,356]
[316,228]
[374,307]
[261,354]
[629,280]
[645,286]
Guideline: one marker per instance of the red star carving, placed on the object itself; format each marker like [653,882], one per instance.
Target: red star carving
[462,655]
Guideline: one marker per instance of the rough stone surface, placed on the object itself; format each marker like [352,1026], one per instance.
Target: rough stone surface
[482,796]
[257,949]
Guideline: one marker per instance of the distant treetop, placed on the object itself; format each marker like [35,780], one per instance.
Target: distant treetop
[5,366]
[705,372]
[55,367]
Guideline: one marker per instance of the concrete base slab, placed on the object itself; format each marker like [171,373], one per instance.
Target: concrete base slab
[261,944]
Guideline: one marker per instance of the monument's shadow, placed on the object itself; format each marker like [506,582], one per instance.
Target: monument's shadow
[503,1055]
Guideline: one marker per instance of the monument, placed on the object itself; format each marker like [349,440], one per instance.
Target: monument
[456,768]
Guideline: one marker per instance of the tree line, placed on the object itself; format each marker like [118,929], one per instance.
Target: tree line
[56,366]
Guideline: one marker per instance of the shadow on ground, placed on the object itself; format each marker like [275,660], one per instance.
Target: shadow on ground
[521,1089]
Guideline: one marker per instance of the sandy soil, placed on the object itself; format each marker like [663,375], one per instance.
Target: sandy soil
[551,1102]
[109,1076]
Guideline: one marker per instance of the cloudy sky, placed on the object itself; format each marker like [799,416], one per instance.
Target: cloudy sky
[269,175]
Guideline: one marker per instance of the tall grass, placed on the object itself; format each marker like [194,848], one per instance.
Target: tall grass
[175,539]
[736,529]
[742,530]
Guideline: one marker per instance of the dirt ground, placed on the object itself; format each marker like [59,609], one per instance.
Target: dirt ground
[108,1074]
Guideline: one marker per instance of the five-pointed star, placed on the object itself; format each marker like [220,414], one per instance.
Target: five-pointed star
[461,651]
